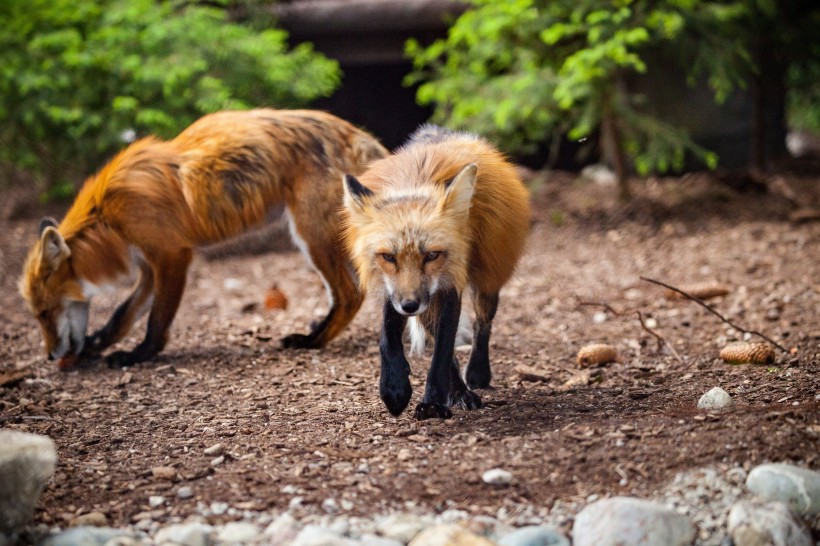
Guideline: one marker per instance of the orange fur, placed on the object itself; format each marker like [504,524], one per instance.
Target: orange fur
[406,212]
[444,213]
[143,214]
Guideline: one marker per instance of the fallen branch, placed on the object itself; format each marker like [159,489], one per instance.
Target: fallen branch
[718,315]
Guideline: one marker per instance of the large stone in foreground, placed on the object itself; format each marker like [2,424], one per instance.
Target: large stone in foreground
[754,523]
[626,520]
[798,487]
[26,463]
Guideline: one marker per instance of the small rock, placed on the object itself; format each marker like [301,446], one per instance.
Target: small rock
[237,532]
[218,461]
[536,535]
[84,536]
[766,524]
[284,528]
[625,520]
[26,463]
[92,519]
[715,399]
[330,506]
[497,476]
[186,534]
[798,487]
[155,501]
[164,473]
[449,534]
[219,508]
[313,535]
[185,492]
[373,540]
[401,527]
[214,450]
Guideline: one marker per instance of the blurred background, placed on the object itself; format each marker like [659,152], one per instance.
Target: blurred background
[639,88]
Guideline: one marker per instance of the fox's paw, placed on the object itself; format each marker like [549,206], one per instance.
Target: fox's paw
[427,410]
[299,341]
[121,359]
[466,400]
[478,377]
[396,396]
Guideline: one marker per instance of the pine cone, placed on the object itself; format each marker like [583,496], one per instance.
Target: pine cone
[598,353]
[748,353]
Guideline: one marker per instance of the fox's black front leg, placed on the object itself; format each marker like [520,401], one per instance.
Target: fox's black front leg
[394,383]
[437,390]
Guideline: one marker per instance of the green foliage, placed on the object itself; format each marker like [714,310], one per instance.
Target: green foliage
[76,75]
[520,71]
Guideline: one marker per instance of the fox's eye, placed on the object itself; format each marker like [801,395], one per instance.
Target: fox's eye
[432,256]
[387,257]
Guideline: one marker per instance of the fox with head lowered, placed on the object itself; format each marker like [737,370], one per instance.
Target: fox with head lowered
[445,214]
[139,219]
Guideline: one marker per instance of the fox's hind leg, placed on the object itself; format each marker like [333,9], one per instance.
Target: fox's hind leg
[478,373]
[324,251]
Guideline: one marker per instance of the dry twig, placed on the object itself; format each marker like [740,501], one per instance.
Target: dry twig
[661,340]
[718,315]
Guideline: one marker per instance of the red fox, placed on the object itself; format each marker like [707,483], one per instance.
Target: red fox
[444,213]
[143,214]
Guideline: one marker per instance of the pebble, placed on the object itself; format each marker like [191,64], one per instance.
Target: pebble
[497,476]
[214,450]
[754,523]
[283,529]
[535,535]
[155,501]
[186,534]
[715,399]
[798,487]
[218,460]
[185,492]
[85,536]
[401,527]
[237,532]
[313,535]
[626,520]
[449,534]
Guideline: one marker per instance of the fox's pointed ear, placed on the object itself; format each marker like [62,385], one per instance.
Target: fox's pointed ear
[355,192]
[53,249]
[458,195]
[47,221]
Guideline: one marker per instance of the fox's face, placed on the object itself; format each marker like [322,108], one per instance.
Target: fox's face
[414,240]
[53,294]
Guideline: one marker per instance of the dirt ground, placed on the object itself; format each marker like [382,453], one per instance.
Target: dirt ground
[310,423]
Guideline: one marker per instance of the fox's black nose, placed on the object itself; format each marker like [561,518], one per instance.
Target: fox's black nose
[409,306]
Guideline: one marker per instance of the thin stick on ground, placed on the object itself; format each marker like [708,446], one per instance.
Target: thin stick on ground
[718,315]
[661,340]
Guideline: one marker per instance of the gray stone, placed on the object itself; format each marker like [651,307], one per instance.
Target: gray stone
[185,534]
[449,534]
[497,476]
[283,529]
[766,524]
[798,487]
[237,532]
[401,527]
[185,492]
[626,520]
[312,535]
[536,535]
[373,540]
[26,463]
[85,536]
[715,399]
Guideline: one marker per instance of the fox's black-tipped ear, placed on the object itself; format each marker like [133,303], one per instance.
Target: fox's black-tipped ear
[47,221]
[458,194]
[355,192]
[54,249]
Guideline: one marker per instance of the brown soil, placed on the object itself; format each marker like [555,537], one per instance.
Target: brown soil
[313,419]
